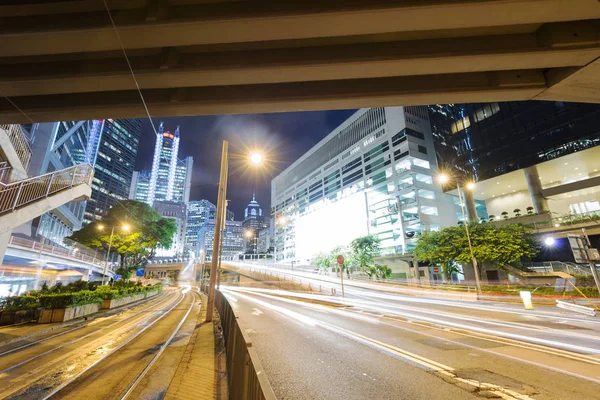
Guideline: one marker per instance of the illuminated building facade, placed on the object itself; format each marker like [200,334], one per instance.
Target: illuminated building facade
[254,222]
[164,165]
[175,210]
[199,213]
[109,145]
[116,143]
[233,240]
[490,139]
[374,174]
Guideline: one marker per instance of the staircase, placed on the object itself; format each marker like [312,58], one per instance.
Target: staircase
[23,200]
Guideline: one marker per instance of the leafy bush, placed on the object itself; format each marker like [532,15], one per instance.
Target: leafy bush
[19,303]
[64,300]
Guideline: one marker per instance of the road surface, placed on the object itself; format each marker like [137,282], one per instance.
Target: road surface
[377,344]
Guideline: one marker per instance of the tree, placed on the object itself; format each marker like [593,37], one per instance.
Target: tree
[442,248]
[348,258]
[492,246]
[323,261]
[364,249]
[148,231]
[517,212]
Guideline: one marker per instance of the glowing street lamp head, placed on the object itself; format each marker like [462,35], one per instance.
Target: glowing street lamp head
[549,241]
[249,234]
[443,178]
[100,227]
[256,158]
[126,227]
[471,185]
[282,220]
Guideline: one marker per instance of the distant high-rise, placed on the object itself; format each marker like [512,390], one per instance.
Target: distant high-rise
[164,165]
[254,221]
[116,143]
[200,213]
[170,177]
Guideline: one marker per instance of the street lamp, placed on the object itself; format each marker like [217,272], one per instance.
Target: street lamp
[125,228]
[444,178]
[255,159]
[549,241]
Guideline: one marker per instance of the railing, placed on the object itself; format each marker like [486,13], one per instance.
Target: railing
[77,253]
[19,142]
[5,170]
[246,379]
[558,266]
[21,193]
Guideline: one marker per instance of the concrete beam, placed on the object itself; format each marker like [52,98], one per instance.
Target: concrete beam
[237,22]
[555,46]
[341,94]
[574,84]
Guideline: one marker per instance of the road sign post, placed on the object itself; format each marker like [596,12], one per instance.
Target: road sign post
[340,260]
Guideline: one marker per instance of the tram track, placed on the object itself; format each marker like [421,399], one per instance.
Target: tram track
[52,372]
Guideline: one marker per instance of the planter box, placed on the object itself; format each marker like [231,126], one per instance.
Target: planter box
[17,317]
[108,304]
[66,314]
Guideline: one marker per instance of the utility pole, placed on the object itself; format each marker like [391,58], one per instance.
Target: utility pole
[217,238]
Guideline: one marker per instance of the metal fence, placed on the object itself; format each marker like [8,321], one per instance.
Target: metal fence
[246,379]
[18,194]
[19,141]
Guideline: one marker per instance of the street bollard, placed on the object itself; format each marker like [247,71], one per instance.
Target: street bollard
[526,296]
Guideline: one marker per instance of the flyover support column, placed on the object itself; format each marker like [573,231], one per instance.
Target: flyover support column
[540,204]
[470,206]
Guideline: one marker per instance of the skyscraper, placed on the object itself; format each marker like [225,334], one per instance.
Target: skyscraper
[254,221]
[200,213]
[117,143]
[170,177]
[164,165]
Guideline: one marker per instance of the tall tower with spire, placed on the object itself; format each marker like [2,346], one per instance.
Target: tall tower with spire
[254,222]
[164,165]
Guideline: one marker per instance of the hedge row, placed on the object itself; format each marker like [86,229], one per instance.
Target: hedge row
[16,303]
[110,293]
[64,300]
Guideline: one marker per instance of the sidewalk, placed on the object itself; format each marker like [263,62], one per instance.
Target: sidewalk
[195,377]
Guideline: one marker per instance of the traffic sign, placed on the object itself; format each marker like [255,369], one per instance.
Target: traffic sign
[117,277]
[436,270]
[140,271]
[340,259]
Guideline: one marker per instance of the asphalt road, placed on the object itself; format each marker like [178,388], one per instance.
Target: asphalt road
[384,345]
[106,358]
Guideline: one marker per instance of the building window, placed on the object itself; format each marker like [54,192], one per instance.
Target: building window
[422,149]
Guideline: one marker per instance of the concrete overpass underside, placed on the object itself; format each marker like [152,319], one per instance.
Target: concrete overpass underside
[62,60]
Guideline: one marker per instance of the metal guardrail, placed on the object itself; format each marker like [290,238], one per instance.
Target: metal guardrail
[77,253]
[19,142]
[5,170]
[246,379]
[21,193]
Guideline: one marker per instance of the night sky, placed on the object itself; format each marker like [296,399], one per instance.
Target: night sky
[281,137]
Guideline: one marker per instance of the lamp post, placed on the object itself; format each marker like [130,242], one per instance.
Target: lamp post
[125,227]
[256,159]
[443,178]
